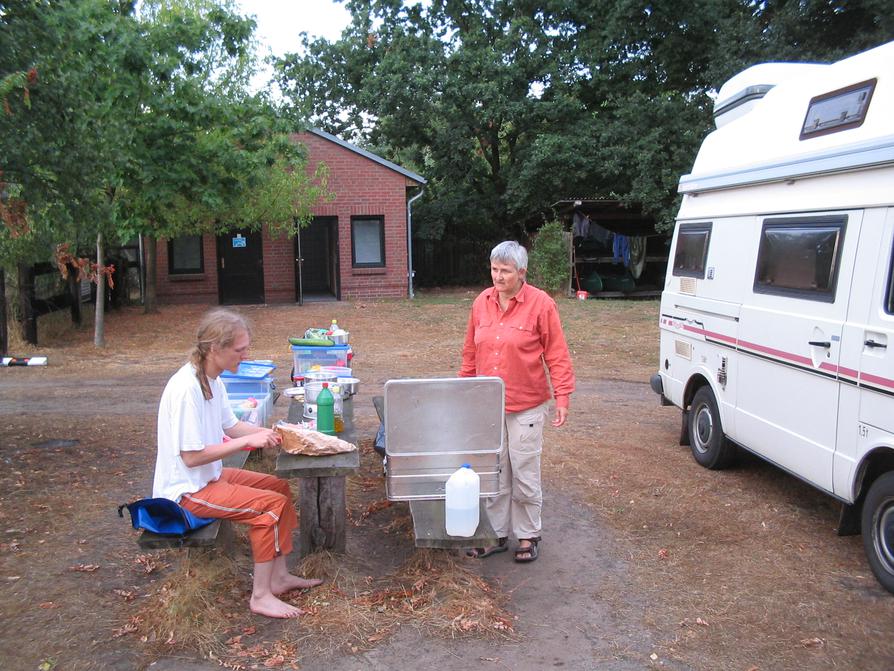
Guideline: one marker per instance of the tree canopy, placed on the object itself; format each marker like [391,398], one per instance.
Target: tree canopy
[510,105]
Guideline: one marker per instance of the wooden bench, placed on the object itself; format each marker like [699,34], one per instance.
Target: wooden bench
[429,517]
[218,534]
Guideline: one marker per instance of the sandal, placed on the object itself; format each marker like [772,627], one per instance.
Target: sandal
[529,553]
[481,553]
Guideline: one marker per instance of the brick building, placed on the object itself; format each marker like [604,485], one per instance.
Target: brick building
[355,247]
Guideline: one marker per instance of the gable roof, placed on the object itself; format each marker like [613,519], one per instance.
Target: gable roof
[372,157]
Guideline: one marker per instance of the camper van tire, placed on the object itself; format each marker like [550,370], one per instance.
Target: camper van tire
[709,446]
[878,529]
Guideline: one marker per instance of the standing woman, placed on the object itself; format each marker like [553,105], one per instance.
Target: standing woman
[514,333]
[196,430]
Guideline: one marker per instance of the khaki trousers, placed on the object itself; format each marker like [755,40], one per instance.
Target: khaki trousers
[517,508]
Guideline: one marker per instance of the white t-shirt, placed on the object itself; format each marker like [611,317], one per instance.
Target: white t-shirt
[186,421]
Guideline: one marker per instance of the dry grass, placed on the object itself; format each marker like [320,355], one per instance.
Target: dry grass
[192,606]
[431,591]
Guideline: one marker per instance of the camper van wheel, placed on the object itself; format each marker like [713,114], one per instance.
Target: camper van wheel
[878,529]
[709,446]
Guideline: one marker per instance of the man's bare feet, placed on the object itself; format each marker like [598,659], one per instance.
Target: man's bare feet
[290,582]
[272,607]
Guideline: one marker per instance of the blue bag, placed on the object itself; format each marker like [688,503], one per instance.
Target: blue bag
[163,516]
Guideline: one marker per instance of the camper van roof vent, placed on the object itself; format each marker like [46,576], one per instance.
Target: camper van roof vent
[741,93]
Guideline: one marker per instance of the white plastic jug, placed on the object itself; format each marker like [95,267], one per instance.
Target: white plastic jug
[463,489]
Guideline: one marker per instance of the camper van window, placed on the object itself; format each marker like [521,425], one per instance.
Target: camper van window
[800,257]
[692,250]
[837,110]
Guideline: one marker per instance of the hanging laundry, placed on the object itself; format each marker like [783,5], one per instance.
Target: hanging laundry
[580,227]
[621,249]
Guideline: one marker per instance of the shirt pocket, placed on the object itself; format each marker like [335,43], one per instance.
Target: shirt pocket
[484,331]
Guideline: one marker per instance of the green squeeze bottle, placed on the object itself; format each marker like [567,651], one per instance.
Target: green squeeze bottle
[326,411]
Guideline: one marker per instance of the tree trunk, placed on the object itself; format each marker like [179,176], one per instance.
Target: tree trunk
[74,291]
[150,304]
[99,323]
[26,303]
[4,327]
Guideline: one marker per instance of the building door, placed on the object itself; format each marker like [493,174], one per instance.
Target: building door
[316,261]
[240,268]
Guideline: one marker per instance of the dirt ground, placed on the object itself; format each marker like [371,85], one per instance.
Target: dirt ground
[648,561]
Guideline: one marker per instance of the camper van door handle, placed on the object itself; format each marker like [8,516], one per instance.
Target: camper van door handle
[874,344]
[819,343]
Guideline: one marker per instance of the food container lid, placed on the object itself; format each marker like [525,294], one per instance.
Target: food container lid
[251,370]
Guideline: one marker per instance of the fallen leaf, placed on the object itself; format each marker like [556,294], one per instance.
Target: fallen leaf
[126,629]
[812,642]
[48,604]
[127,595]
[84,568]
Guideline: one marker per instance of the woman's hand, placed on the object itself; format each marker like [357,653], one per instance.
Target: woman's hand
[561,416]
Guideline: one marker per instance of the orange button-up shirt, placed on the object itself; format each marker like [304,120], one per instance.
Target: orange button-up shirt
[514,345]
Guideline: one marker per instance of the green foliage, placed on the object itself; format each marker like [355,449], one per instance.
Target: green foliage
[549,263]
[507,106]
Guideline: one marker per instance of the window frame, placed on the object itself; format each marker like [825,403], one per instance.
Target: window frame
[889,292]
[817,295]
[856,123]
[702,227]
[186,271]
[381,221]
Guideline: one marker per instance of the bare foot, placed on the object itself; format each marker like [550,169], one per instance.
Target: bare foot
[291,582]
[273,607]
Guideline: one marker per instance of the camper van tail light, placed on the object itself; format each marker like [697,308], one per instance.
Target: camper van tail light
[687,285]
[721,372]
[683,349]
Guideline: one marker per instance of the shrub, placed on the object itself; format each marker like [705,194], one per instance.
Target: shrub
[549,263]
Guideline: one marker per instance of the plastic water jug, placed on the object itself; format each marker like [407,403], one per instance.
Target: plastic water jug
[326,411]
[463,489]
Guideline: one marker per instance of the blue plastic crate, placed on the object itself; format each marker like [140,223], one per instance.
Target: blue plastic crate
[250,370]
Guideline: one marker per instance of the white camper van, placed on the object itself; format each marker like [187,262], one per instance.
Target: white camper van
[777,315]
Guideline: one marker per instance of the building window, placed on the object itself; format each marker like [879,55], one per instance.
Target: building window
[185,255]
[368,242]
[692,250]
[837,110]
[800,257]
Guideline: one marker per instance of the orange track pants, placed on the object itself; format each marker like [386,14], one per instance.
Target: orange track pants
[264,502]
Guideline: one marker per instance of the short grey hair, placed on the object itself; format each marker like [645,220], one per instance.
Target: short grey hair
[510,251]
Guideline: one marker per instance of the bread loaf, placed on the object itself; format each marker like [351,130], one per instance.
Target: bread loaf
[298,440]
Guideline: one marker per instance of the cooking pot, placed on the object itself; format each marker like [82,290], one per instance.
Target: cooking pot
[348,385]
[339,337]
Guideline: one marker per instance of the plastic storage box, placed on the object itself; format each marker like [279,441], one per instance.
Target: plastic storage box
[311,358]
[259,416]
[253,378]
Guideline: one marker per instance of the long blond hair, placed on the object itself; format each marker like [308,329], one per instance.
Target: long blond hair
[218,327]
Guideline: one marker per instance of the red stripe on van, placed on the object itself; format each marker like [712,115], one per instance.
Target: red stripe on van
[710,334]
[797,358]
[881,381]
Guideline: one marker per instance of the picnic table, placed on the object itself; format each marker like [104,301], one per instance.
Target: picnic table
[322,502]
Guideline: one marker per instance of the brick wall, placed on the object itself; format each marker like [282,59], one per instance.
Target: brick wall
[199,288]
[362,187]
